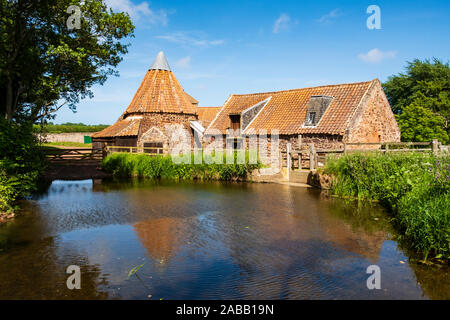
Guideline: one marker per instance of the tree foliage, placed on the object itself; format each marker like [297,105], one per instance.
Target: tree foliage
[419,123]
[420,98]
[44,64]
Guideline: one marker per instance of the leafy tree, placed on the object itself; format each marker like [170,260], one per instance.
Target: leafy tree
[419,123]
[45,64]
[425,85]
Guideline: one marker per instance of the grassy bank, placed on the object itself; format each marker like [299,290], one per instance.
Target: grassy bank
[162,167]
[414,187]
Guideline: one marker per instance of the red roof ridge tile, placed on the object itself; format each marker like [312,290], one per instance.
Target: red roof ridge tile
[305,88]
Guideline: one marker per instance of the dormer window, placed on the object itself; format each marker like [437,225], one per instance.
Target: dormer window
[316,108]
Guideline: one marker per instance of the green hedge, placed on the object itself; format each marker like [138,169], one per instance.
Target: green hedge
[415,187]
[68,128]
[162,167]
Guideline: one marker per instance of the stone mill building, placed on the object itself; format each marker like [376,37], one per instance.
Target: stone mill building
[161,114]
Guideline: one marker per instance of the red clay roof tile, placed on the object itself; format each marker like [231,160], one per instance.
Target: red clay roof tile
[286,110]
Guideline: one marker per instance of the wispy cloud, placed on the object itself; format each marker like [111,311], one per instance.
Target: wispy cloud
[282,23]
[329,17]
[183,63]
[376,55]
[185,38]
[139,11]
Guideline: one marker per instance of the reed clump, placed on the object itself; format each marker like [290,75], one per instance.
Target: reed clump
[125,165]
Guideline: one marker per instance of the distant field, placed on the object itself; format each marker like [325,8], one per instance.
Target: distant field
[68,128]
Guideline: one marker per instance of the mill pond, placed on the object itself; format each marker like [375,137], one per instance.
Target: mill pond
[206,241]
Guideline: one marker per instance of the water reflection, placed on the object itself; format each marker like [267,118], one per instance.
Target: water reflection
[205,241]
[160,237]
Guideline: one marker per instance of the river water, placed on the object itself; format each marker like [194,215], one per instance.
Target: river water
[205,241]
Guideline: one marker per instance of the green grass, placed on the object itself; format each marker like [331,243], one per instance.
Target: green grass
[67,144]
[126,165]
[414,186]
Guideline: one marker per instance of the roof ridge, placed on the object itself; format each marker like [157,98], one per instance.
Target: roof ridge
[290,90]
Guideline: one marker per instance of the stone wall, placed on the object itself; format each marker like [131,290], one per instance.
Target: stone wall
[373,120]
[173,130]
[66,137]
[298,142]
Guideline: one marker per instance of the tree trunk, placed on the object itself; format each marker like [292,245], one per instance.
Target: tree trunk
[9,101]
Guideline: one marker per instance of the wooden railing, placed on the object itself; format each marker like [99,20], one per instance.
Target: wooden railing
[314,158]
[151,151]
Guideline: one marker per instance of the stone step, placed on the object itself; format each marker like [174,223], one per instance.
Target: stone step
[299,176]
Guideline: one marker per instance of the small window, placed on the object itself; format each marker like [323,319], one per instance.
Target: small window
[153,147]
[311,119]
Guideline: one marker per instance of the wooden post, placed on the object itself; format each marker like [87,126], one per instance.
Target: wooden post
[345,147]
[288,160]
[387,147]
[312,157]
[435,146]
[300,154]
[280,163]
[105,150]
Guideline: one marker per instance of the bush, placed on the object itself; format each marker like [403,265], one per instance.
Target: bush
[21,162]
[162,167]
[414,186]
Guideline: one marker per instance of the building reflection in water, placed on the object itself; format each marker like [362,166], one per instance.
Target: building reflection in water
[160,237]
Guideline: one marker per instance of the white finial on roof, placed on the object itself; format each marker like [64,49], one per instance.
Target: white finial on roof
[160,63]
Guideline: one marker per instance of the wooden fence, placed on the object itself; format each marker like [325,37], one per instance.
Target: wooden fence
[314,158]
[74,156]
[151,151]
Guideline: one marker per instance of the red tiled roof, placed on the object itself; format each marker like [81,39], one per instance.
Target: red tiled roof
[286,110]
[207,114]
[122,128]
[191,98]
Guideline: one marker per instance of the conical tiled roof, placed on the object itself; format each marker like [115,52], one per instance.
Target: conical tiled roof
[160,91]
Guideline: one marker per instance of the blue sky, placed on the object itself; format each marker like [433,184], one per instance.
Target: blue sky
[216,48]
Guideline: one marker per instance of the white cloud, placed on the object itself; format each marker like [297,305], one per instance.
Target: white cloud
[282,23]
[330,16]
[183,63]
[376,55]
[139,11]
[185,39]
